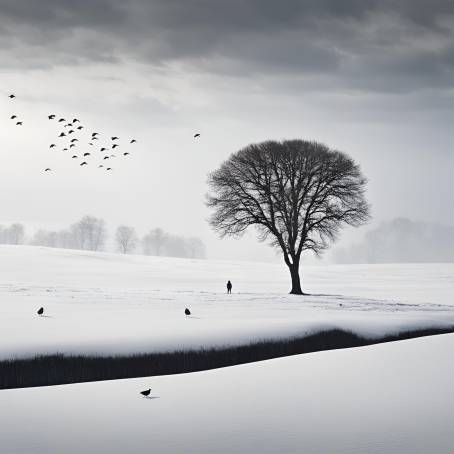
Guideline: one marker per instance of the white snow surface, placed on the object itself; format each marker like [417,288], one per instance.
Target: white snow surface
[384,399]
[100,303]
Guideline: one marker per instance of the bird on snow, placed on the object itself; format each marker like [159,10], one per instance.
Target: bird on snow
[146,393]
[11,96]
[13,117]
[196,135]
[47,170]
[51,117]
[40,311]
[187,311]
[19,123]
[133,141]
[62,134]
[83,163]
[52,145]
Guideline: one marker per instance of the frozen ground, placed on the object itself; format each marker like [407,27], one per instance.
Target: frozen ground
[108,303]
[387,399]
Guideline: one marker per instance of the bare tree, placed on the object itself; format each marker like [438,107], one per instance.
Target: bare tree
[195,248]
[89,233]
[298,195]
[154,242]
[126,239]
[16,234]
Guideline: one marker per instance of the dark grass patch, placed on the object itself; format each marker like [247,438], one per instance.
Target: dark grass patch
[63,369]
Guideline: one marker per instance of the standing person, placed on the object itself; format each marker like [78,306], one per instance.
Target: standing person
[229,287]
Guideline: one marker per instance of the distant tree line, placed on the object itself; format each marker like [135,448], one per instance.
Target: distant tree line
[90,234]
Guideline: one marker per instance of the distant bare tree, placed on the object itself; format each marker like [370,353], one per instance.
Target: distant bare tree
[126,239]
[298,194]
[16,234]
[154,242]
[195,248]
[89,233]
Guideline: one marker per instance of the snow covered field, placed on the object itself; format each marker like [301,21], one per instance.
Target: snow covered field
[100,303]
[387,399]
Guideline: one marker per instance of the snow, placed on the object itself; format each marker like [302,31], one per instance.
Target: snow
[388,398]
[100,303]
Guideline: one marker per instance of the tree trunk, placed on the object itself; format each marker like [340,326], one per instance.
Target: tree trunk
[295,275]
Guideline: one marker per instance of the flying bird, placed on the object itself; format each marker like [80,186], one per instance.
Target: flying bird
[80,127]
[74,157]
[65,149]
[76,120]
[40,311]
[72,145]
[62,134]
[100,166]
[106,157]
[95,134]
[94,138]
[70,131]
[103,149]
[61,120]
[146,393]
[83,163]
[19,123]
[89,143]
[13,117]
[125,153]
[115,145]
[47,169]
[109,168]
[74,140]
[51,117]
[11,96]
[52,145]
[133,141]
[87,154]
[114,138]
[68,125]
[187,311]
[196,135]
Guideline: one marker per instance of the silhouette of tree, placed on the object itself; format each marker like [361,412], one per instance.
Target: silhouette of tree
[126,239]
[298,195]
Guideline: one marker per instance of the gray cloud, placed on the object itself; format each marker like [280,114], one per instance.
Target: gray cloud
[409,43]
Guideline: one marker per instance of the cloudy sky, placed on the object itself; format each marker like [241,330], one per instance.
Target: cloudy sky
[374,78]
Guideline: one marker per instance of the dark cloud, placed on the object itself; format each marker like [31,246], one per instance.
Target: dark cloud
[381,45]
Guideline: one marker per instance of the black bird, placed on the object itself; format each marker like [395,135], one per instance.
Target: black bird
[52,145]
[72,145]
[114,138]
[146,393]
[89,143]
[19,123]
[61,120]
[100,166]
[40,311]
[80,127]
[47,170]
[196,135]
[11,96]
[106,157]
[74,157]
[74,140]
[115,145]
[65,149]
[87,154]
[83,163]
[62,134]
[51,117]
[76,120]
[13,117]
[94,138]
[109,168]
[125,154]
[187,311]
[133,141]
[103,149]
[70,131]
[95,134]
[68,125]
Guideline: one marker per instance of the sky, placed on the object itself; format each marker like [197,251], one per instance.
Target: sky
[373,78]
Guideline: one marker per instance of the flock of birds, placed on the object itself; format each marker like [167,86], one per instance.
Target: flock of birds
[69,135]
[70,138]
